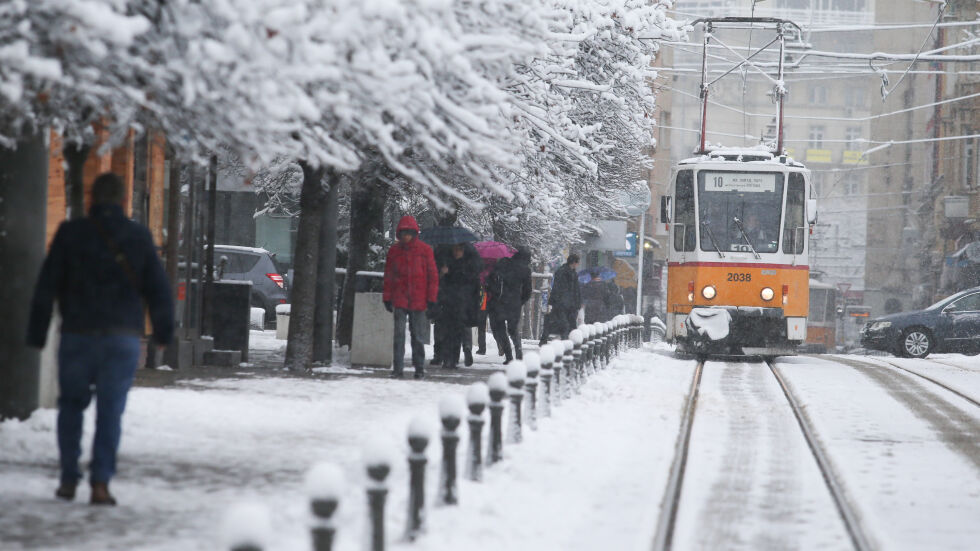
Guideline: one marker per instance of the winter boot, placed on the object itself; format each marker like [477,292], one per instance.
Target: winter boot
[467,357]
[101,495]
[419,373]
[65,491]
[397,374]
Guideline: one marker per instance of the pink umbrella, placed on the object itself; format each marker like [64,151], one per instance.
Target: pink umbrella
[491,252]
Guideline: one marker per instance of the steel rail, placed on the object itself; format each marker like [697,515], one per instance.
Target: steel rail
[663,540]
[944,386]
[851,519]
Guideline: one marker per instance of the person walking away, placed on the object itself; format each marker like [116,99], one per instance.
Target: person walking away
[442,254]
[615,303]
[100,269]
[595,297]
[459,304]
[564,300]
[509,287]
[483,314]
[411,285]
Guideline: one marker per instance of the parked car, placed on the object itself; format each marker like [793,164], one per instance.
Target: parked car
[950,325]
[269,288]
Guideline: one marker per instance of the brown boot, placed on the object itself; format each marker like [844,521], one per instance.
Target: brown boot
[65,491]
[101,495]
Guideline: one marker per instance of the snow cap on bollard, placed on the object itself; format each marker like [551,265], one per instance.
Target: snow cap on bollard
[516,373]
[451,406]
[246,524]
[533,363]
[547,353]
[576,337]
[325,481]
[497,382]
[378,456]
[478,394]
[569,344]
[420,427]
[598,328]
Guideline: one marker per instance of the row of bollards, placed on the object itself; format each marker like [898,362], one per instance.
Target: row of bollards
[558,369]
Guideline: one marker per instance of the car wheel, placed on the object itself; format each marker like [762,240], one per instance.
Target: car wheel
[916,343]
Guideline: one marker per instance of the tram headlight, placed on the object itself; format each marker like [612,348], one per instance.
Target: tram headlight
[767,293]
[708,292]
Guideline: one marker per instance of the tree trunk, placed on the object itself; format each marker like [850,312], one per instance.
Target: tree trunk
[75,155]
[299,346]
[209,252]
[366,210]
[327,264]
[24,192]
[141,150]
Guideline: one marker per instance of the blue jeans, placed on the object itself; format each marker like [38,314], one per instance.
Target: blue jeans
[416,327]
[106,365]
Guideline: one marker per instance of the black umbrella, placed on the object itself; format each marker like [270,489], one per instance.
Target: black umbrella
[447,235]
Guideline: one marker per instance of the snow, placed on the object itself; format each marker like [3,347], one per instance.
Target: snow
[711,321]
[478,394]
[575,337]
[283,309]
[533,362]
[547,355]
[246,524]
[516,373]
[325,481]
[420,427]
[451,406]
[569,344]
[379,451]
[497,382]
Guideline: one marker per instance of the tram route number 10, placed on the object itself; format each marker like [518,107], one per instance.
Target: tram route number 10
[719,181]
[735,276]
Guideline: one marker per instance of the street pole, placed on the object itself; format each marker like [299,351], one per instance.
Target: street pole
[639,271]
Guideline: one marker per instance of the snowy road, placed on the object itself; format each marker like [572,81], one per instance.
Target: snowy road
[905,451]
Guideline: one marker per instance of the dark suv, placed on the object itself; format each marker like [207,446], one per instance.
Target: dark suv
[950,325]
[260,267]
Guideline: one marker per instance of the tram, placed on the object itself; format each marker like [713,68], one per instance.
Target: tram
[739,223]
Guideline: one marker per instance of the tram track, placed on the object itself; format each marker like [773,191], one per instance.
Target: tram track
[670,505]
[932,380]
[846,511]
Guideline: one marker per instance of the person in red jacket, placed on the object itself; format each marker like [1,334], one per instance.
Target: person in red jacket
[411,286]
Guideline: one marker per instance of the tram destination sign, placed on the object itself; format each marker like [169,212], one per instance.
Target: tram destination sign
[751,182]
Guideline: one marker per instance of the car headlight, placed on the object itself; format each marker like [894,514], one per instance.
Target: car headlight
[767,293]
[879,325]
[708,292]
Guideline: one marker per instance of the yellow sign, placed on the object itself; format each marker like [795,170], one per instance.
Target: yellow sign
[854,158]
[818,155]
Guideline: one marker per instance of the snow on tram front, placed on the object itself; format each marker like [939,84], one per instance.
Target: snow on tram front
[737,263]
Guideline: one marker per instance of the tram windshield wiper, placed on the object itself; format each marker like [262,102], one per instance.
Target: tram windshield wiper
[707,228]
[745,236]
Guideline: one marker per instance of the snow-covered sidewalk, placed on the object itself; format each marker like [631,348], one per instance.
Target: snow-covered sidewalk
[591,476]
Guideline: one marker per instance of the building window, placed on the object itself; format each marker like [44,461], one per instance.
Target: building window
[851,184]
[854,97]
[969,163]
[852,134]
[816,137]
[818,95]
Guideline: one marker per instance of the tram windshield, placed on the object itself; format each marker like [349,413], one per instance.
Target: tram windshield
[740,211]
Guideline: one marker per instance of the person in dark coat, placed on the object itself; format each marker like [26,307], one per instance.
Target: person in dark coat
[459,303]
[508,288]
[100,270]
[411,285]
[564,301]
[595,297]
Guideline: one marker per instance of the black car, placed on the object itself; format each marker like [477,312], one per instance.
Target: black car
[950,325]
[259,266]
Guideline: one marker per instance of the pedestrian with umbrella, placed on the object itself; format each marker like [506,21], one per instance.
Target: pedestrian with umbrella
[508,288]
[490,252]
[411,285]
[459,303]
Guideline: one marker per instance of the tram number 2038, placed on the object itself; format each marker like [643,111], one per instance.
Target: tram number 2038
[737,276]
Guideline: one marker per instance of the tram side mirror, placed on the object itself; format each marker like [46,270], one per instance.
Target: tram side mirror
[665,209]
[811,211]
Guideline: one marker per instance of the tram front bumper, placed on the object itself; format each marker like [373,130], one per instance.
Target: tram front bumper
[754,327]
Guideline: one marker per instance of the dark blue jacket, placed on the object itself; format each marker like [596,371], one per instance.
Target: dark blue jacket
[94,293]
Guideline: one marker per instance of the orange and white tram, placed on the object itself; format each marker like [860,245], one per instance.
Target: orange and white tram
[737,260]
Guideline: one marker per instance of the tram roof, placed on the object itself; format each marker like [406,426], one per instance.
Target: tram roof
[743,155]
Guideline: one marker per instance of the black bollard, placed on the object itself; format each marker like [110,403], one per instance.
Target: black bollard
[418,440]
[246,527]
[586,352]
[516,375]
[576,367]
[601,339]
[476,400]
[450,413]
[568,361]
[324,483]
[378,463]
[547,360]
[498,389]
[533,362]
